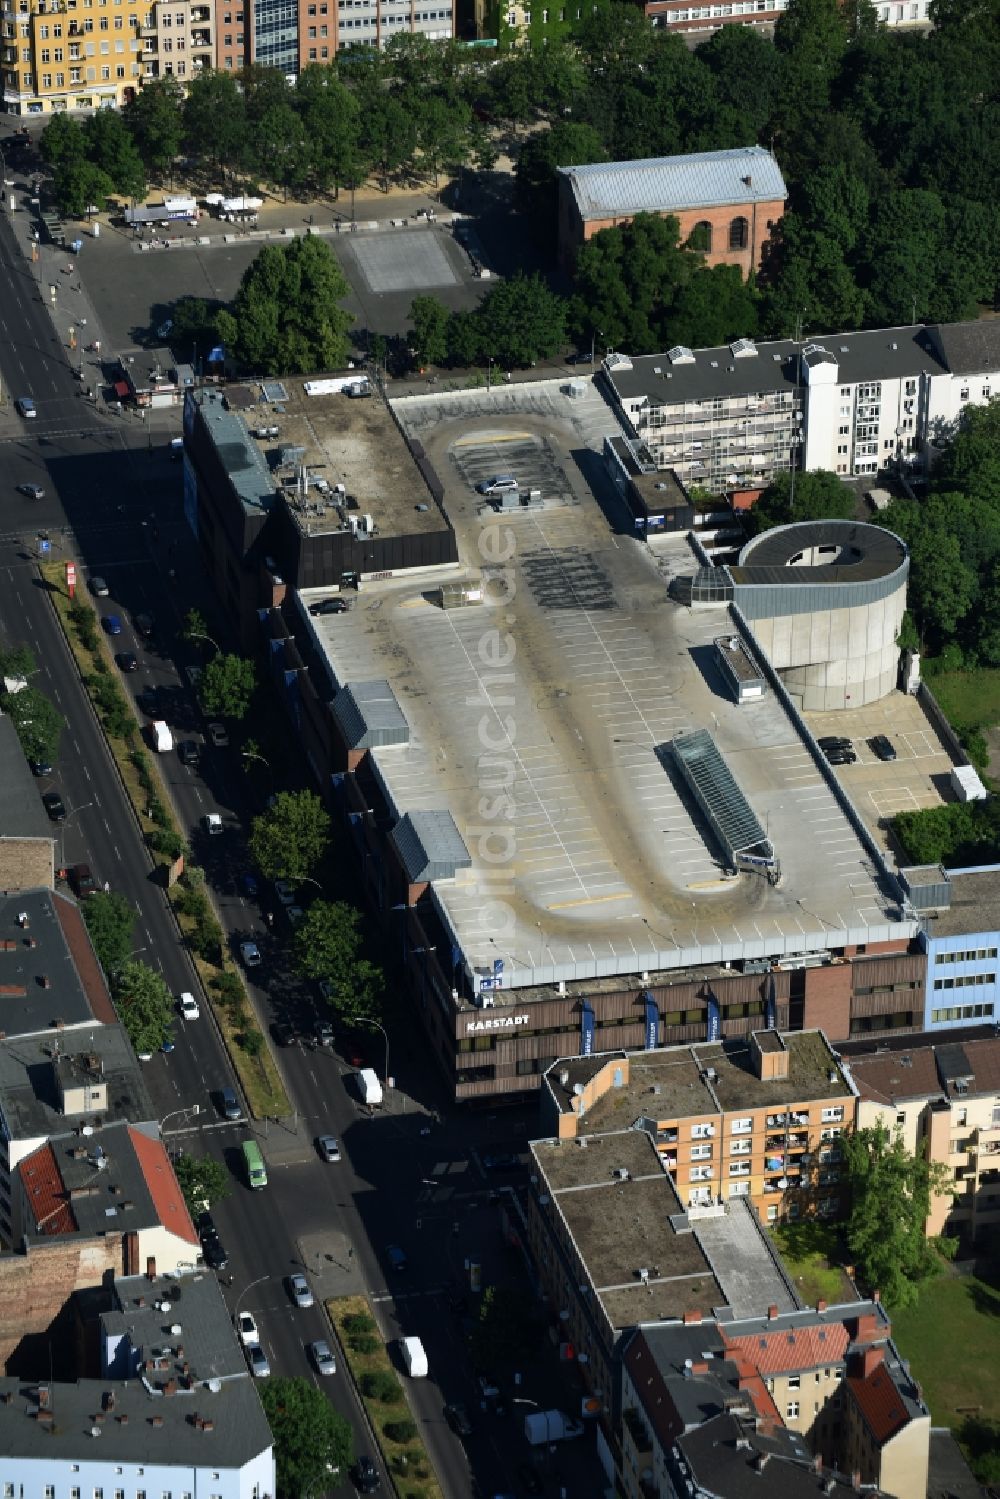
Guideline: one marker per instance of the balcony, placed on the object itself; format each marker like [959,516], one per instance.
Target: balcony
[201,39]
[777,1121]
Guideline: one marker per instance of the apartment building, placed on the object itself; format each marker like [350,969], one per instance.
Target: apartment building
[944,1099]
[702,20]
[823,1389]
[71,54]
[178,39]
[730,418]
[758,1117]
[726,202]
[169,1409]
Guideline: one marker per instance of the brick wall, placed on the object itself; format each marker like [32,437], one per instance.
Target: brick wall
[36,1286]
[828,1000]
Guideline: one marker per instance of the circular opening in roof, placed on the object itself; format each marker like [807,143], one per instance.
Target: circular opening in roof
[827,555]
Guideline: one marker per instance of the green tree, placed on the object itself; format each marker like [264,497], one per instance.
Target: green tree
[111,149]
[568,143]
[194,630]
[811,39]
[144,1004]
[227,686]
[38,724]
[330,118]
[214,119]
[428,338]
[747,71]
[388,135]
[312,1440]
[443,134]
[891,1195]
[328,947]
[816,495]
[286,311]
[715,306]
[289,840]
[626,282]
[62,141]
[522,321]
[77,184]
[110,920]
[203,1180]
[17,661]
[284,153]
[981,1439]
[155,121]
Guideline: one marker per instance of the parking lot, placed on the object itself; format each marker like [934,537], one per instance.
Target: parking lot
[918,777]
[528,457]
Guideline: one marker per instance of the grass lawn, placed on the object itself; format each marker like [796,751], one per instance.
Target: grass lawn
[970,699]
[408,1463]
[952,1340]
[813,1257]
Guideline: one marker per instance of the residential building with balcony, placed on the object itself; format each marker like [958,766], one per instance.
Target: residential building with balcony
[71,54]
[178,39]
[757,1118]
[944,1099]
[701,20]
[731,418]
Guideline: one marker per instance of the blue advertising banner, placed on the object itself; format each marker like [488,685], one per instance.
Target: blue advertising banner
[652,1022]
[587,1024]
[714,1019]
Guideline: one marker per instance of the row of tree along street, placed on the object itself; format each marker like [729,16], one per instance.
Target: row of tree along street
[887,141]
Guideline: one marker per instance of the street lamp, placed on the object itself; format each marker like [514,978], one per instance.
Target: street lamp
[489,373]
[192,1108]
[62,831]
[195,634]
[364,1020]
[594,333]
[259,1281]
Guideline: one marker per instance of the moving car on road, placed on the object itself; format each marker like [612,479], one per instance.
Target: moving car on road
[25,407]
[127,661]
[259,1366]
[366,1476]
[188,1006]
[322,1357]
[247,1329]
[218,735]
[33,491]
[300,1291]
[212,824]
[250,953]
[112,623]
[328,1148]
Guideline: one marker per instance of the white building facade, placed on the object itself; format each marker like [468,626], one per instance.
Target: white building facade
[854,403]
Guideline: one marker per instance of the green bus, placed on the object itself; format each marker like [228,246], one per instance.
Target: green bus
[256,1171]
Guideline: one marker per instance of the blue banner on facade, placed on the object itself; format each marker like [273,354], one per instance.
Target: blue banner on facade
[456,955]
[497,967]
[714,1019]
[652,1022]
[771,1004]
[587,1024]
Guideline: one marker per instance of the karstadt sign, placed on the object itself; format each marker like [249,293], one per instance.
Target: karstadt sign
[495,1023]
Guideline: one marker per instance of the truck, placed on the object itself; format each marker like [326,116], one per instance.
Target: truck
[550,1426]
[414,1358]
[162,737]
[369,1086]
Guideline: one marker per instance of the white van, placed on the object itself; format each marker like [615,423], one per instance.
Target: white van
[163,740]
[414,1357]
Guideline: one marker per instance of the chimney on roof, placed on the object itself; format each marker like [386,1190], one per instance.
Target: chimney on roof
[109,1400]
[821,1306]
[877,1296]
[170,1388]
[151,1267]
[43,1397]
[856,1479]
[760,1461]
[818,1463]
[772,1312]
[692,1318]
[871,1358]
[122,1419]
[156,1421]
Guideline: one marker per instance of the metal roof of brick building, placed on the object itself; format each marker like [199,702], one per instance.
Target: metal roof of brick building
[658,184]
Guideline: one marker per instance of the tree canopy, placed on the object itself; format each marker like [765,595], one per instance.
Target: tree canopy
[227,685]
[145,1005]
[286,317]
[203,1180]
[38,724]
[110,920]
[814,495]
[311,1438]
[328,946]
[288,841]
[891,1194]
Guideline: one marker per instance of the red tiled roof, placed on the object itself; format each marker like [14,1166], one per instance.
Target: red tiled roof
[880,1403]
[784,1351]
[48,1205]
[751,1382]
[168,1200]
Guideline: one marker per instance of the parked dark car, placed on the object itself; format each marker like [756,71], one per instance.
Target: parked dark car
[82,880]
[54,806]
[834,741]
[457,1418]
[841,756]
[328,606]
[502,1161]
[882,747]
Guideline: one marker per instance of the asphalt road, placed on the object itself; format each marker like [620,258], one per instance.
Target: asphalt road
[113,501]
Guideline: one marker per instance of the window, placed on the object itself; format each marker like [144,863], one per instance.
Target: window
[740,1147]
[700,237]
[742,1126]
[701,1152]
[901,1117]
[739,1168]
[702,1131]
[701,1173]
[833,1113]
[792,1410]
[739,233]
[965,980]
